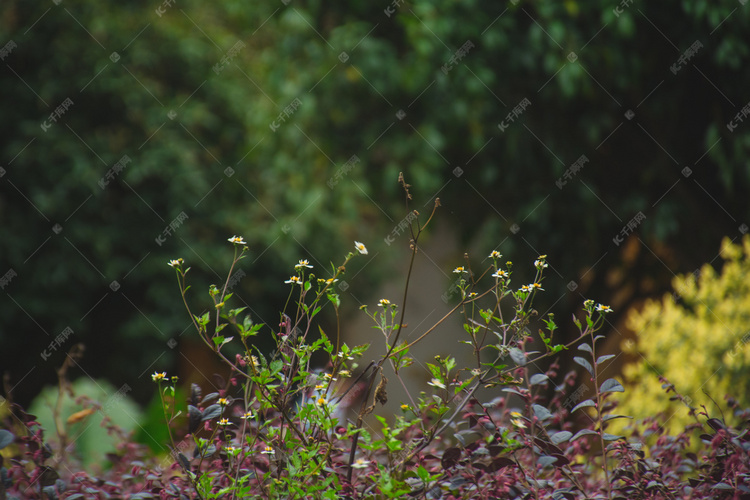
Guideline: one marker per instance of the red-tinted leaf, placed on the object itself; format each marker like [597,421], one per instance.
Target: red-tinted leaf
[195,394]
[501,462]
[194,419]
[450,457]
[715,424]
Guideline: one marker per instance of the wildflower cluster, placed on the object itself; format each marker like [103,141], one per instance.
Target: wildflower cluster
[281,428]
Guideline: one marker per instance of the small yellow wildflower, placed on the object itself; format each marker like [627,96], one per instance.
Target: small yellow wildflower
[295,280]
[302,263]
[361,248]
[516,420]
[237,240]
[436,383]
[156,377]
[224,421]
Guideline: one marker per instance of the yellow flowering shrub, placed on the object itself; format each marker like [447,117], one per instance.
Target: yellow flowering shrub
[698,338]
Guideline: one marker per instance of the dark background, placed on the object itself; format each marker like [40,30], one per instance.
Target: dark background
[194,95]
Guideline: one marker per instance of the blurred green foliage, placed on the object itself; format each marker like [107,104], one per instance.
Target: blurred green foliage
[87,440]
[192,92]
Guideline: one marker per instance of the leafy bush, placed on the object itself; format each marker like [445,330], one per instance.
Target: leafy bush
[91,441]
[698,338]
[279,428]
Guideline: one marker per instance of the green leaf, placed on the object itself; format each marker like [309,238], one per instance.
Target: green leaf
[435,370]
[233,313]
[334,298]
[423,474]
[486,315]
[538,379]
[218,340]
[450,363]
[276,366]
[463,386]
[471,330]
[203,320]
